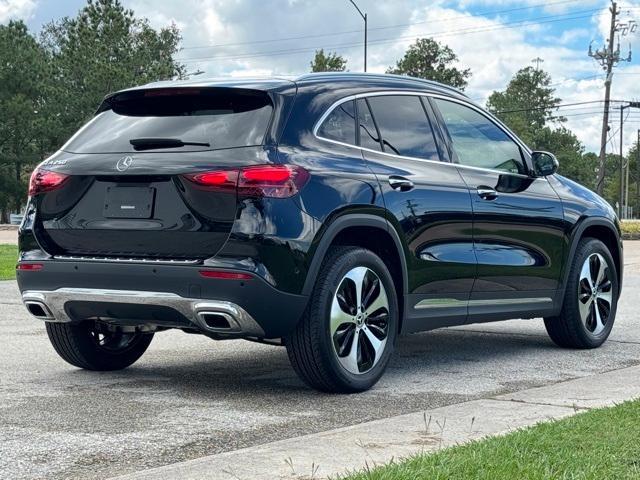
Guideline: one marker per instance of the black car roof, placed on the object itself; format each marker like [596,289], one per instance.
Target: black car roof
[321,82]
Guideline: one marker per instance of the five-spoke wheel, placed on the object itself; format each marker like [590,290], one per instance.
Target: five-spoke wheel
[590,300]
[359,320]
[595,293]
[344,341]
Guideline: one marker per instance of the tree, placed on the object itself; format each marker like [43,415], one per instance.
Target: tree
[634,180]
[431,60]
[527,104]
[50,87]
[103,49]
[331,62]
[22,78]
[574,163]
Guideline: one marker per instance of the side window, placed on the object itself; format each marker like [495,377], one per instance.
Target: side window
[369,137]
[477,141]
[340,125]
[404,126]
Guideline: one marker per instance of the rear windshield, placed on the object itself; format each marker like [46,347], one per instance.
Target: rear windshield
[213,118]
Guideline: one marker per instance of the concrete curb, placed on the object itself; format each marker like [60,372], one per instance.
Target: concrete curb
[373,443]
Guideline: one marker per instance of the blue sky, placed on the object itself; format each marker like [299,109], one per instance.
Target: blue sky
[494,38]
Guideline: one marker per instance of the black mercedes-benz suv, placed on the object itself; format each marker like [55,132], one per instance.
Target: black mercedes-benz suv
[329,214]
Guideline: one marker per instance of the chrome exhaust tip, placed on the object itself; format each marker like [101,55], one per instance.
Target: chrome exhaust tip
[39,310]
[218,322]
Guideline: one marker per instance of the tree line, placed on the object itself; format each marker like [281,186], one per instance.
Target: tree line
[52,83]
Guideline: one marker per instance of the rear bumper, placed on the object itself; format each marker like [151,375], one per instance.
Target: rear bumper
[159,295]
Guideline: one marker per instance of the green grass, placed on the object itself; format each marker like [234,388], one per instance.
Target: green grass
[600,444]
[8,260]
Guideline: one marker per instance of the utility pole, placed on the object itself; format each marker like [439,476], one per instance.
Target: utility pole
[624,199]
[638,172]
[537,61]
[364,17]
[608,57]
[621,212]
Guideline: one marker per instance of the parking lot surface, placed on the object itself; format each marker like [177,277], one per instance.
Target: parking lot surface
[190,396]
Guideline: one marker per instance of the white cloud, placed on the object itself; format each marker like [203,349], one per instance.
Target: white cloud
[10,9]
[244,31]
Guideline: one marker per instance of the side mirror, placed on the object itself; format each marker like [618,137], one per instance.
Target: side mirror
[544,163]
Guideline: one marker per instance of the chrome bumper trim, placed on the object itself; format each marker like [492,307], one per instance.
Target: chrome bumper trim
[241,323]
[155,261]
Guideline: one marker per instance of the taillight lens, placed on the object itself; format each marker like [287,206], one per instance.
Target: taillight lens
[42,181]
[274,181]
[29,266]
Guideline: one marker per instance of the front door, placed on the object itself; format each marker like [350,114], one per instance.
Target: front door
[517,218]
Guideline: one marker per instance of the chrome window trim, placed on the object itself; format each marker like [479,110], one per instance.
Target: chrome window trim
[487,115]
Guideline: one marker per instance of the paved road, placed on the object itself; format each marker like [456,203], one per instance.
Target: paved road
[190,396]
[9,237]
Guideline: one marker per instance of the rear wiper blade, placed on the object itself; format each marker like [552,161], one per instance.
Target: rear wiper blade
[153,143]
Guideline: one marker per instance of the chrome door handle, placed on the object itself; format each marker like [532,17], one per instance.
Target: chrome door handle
[487,193]
[400,183]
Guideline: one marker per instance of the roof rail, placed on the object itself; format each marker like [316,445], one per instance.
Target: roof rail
[318,75]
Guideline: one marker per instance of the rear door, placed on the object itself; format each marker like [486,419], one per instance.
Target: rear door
[517,219]
[430,204]
[131,190]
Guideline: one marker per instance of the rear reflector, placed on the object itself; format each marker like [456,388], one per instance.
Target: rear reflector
[42,181]
[29,266]
[225,275]
[274,181]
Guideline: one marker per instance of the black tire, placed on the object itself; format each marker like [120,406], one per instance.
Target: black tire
[311,347]
[83,345]
[568,330]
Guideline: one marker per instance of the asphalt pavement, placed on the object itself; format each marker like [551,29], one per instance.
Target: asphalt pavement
[190,397]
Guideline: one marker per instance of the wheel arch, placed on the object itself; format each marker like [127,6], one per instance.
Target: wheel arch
[368,231]
[600,228]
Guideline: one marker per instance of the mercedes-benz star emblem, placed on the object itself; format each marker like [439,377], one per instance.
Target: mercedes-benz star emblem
[124,163]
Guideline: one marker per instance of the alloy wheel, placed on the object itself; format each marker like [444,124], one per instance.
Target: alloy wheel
[595,293]
[359,320]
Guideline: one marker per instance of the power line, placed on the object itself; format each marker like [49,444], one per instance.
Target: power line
[558,106]
[441,34]
[387,27]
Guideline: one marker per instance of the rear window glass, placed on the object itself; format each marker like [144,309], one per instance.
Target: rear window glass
[404,126]
[368,133]
[340,125]
[221,118]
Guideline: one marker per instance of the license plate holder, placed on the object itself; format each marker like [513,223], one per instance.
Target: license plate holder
[129,202]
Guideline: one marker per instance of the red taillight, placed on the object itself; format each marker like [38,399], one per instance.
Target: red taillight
[29,266]
[42,181]
[222,180]
[276,181]
[225,275]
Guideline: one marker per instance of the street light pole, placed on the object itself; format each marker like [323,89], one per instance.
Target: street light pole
[364,17]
